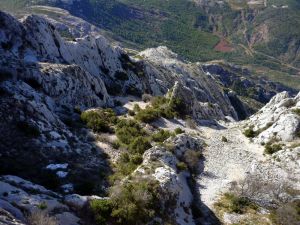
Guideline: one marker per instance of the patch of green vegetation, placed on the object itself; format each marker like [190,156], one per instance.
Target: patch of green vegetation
[181,166]
[133,202]
[147,115]
[271,148]
[161,136]
[66,34]
[128,130]
[161,107]
[42,206]
[235,204]
[99,120]
[136,140]
[178,130]
[250,133]
[296,111]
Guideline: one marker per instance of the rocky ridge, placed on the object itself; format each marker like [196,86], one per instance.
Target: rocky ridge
[47,81]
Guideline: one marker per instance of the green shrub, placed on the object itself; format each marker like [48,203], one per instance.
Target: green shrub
[147,115]
[296,111]
[161,107]
[125,166]
[42,206]
[116,145]
[128,130]
[136,159]
[139,145]
[181,166]
[133,202]
[159,101]
[271,148]
[101,210]
[161,136]
[99,120]
[236,204]
[250,133]
[178,130]
[134,138]
[178,106]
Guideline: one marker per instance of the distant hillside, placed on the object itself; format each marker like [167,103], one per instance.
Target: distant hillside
[263,35]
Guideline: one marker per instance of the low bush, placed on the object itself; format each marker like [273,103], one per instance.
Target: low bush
[131,113]
[135,202]
[178,130]
[132,136]
[161,136]
[250,133]
[296,111]
[42,206]
[101,210]
[128,130]
[116,145]
[99,120]
[235,204]
[147,115]
[124,167]
[136,108]
[139,145]
[271,148]
[161,107]
[181,166]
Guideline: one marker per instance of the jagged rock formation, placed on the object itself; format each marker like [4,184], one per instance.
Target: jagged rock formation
[278,120]
[204,97]
[162,165]
[20,197]
[248,93]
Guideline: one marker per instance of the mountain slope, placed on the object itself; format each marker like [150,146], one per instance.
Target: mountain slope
[261,35]
[81,116]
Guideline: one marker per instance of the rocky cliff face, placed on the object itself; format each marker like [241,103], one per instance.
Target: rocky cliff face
[278,120]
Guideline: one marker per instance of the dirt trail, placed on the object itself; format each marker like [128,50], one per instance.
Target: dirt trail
[225,161]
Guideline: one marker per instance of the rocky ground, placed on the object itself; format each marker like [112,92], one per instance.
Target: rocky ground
[225,161]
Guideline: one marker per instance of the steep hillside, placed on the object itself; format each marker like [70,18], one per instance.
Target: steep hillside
[91,135]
